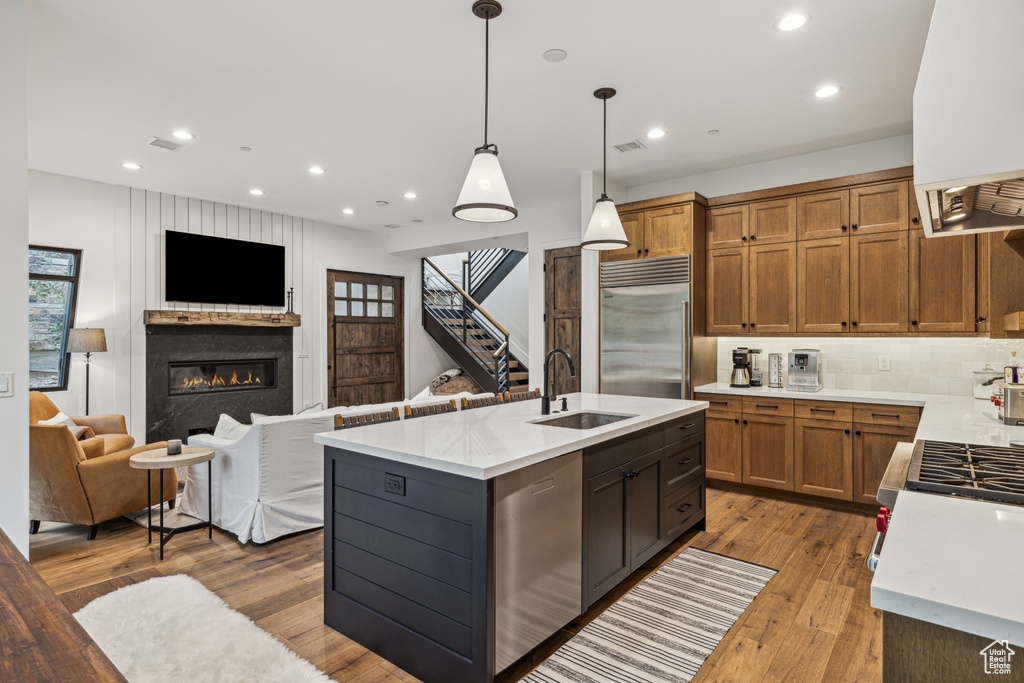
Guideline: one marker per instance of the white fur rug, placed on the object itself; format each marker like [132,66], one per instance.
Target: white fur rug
[173,629]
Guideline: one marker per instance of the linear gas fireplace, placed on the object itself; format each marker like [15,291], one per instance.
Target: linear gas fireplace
[192,377]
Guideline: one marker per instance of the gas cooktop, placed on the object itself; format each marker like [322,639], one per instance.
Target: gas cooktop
[990,472]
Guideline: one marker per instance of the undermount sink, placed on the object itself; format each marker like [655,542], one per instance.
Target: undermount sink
[582,420]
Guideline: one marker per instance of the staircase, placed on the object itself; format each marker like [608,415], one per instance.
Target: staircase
[467,333]
[486,268]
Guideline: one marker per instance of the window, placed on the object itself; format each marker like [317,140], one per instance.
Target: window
[52,293]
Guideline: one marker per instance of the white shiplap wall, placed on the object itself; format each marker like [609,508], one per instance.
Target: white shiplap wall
[142,218]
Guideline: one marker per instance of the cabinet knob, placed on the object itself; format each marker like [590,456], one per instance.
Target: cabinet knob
[982,319]
[743,325]
[843,228]
[857,432]
[638,252]
[647,251]
[753,325]
[915,220]
[846,431]
[744,238]
[753,237]
[744,422]
[854,226]
[737,420]
[843,323]
[854,323]
[913,322]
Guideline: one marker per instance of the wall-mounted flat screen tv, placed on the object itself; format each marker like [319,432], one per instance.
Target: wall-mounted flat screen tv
[218,270]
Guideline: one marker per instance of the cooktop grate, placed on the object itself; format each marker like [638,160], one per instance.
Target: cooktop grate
[989,472]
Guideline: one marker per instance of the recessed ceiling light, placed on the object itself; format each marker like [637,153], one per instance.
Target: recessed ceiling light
[713,131]
[410,195]
[655,133]
[131,166]
[791,22]
[951,190]
[316,170]
[347,211]
[555,55]
[256,191]
[183,135]
[827,91]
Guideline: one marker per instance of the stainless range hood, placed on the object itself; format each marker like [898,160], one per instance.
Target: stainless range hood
[969,119]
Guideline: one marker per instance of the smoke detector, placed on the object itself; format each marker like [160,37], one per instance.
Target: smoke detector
[631,146]
[165,144]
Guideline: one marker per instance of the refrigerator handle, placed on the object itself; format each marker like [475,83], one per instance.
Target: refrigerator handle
[686,351]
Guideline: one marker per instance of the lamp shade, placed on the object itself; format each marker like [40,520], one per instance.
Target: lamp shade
[485,197]
[605,229]
[86,340]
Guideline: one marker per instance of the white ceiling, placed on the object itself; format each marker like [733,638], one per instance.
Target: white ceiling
[388,96]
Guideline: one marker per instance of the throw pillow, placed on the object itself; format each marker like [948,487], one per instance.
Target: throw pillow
[59,419]
[230,429]
[255,416]
[457,385]
[444,377]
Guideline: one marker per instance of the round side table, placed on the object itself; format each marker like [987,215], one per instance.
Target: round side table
[158,459]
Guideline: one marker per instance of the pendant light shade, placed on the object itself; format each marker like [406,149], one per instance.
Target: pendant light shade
[485,197]
[605,228]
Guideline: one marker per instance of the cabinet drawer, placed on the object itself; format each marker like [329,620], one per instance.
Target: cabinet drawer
[682,462]
[606,456]
[684,428]
[723,403]
[755,405]
[898,416]
[823,410]
[682,511]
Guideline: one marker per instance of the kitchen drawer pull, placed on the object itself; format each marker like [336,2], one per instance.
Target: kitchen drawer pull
[759,405]
[895,417]
[822,410]
[685,507]
[683,462]
[719,403]
[689,425]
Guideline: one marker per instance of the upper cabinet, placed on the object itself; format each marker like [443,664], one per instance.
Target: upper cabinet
[667,230]
[880,208]
[822,215]
[728,226]
[942,281]
[773,222]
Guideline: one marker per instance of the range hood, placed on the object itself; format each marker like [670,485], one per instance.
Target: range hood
[969,119]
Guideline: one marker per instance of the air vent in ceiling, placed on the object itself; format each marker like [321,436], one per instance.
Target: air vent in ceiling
[630,146]
[165,144]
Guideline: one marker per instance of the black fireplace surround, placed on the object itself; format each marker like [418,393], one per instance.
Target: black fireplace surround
[196,372]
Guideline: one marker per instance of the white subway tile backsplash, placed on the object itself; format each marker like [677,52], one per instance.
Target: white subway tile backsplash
[937,365]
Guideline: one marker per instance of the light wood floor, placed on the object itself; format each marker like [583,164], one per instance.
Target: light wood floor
[813,622]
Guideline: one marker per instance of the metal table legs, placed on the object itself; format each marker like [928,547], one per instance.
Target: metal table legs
[167,533]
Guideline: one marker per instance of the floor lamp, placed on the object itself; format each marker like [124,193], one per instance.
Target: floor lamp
[88,341]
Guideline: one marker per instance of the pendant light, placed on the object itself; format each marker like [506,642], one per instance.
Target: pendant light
[605,229]
[485,197]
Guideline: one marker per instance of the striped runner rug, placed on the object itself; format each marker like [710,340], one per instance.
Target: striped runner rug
[663,629]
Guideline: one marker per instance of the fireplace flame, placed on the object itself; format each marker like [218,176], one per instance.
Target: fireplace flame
[198,382]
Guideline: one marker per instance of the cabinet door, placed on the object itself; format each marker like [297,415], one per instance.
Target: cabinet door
[915,212]
[826,214]
[607,534]
[633,224]
[872,448]
[724,446]
[880,208]
[728,226]
[823,458]
[643,494]
[727,290]
[823,285]
[878,282]
[983,262]
[768,451]
[941,283]
[773,288]
[668,232]
[773,221]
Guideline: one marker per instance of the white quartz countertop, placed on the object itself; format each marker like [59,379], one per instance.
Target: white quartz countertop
[962,419]
[954,562]
[487,442]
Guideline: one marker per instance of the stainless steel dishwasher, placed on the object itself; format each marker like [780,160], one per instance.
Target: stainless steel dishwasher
[538,548]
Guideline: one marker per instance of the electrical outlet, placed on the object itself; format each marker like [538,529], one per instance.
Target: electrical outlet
[395,484]
[304,353]
[6,384]
[883,364]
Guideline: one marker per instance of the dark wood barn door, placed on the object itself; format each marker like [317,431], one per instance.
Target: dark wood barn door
[365,338]
[562,286]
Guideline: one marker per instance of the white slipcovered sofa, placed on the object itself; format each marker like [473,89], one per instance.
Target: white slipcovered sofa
[268,477]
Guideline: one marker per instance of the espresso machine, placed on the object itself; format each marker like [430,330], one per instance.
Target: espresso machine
[804,370]
[740,367]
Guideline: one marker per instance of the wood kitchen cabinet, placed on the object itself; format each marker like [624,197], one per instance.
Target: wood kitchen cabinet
[724,445]
[879,265]
[823,285]
[633,225]
[873,445]
[823,458]
[880,208]
[772,282]
[661,231]
[942,280]
[728,226]
[768,451]
[727,290]
[823,215]
[773,221]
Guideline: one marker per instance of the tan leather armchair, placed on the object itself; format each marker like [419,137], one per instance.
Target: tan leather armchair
[78,482]
[111,428]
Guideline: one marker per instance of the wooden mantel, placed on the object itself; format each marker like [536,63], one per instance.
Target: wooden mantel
[221,318]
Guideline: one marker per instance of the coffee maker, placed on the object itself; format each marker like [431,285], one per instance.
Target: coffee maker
[740,368]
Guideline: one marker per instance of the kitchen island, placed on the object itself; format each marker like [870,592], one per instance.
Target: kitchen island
[456,543]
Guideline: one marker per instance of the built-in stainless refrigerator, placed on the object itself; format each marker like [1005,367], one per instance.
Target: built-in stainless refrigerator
[646,327]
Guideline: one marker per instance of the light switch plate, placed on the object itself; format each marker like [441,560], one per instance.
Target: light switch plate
[6,384]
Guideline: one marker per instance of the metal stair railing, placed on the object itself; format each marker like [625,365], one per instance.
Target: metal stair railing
[457,313]
[482,263]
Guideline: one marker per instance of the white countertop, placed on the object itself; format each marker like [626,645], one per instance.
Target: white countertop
[487,442]
[962,419]
[954,562]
